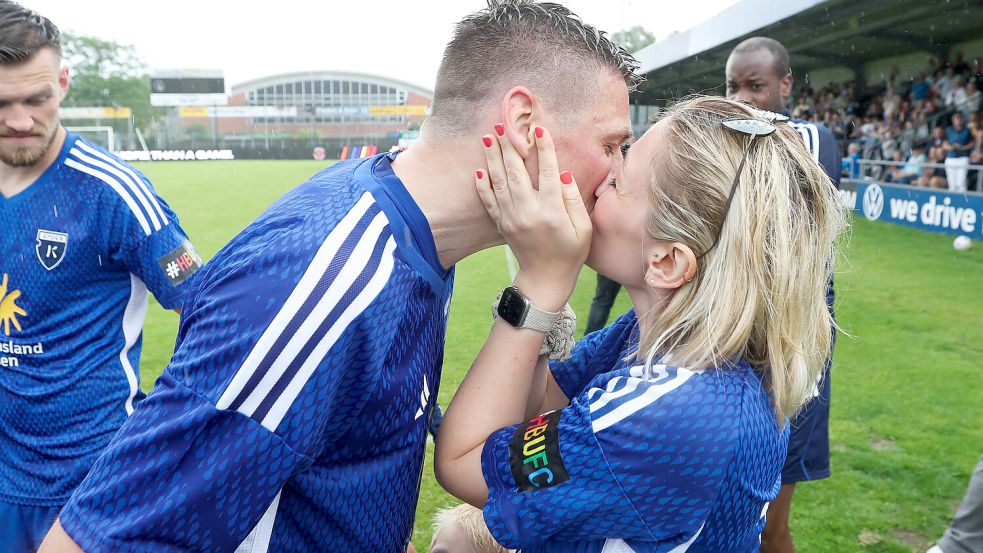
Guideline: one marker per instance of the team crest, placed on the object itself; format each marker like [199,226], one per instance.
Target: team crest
[51,247]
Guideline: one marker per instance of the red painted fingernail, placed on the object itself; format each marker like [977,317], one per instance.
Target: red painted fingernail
[479,173]
[566,177]
[539,132]
[486,140]
[500,129]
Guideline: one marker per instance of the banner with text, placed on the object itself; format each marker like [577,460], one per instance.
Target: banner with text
[376,111]
[921,208]
[95,113]
[237,111]
[175,155]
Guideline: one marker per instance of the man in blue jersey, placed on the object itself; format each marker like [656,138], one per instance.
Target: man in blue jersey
[758,71]
[293,415]
[83,237]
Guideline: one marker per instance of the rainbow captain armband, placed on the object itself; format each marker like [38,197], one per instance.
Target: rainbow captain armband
[534,453]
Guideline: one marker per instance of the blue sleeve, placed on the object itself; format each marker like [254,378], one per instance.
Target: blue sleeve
[259,384]
[547,479]
[594,354]
[633,461]
[180,475]
[155,248]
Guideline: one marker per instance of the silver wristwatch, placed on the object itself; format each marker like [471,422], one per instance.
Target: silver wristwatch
[519,312]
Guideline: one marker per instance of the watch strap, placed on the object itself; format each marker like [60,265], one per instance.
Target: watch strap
[559,341]
[537,319]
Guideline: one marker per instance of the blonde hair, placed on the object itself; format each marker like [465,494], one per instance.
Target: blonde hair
[472,522]
[760,293]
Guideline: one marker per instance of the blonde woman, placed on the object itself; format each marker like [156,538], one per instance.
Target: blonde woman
[666,430]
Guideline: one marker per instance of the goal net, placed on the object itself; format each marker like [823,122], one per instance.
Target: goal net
[103,136]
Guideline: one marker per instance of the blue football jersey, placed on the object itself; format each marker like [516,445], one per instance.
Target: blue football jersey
[648,461]
[79,250]
[293,415]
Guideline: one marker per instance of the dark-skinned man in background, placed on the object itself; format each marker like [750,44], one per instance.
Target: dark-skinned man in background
[758,72]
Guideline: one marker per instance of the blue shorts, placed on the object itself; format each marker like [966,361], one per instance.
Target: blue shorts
[808,442]
[22,527]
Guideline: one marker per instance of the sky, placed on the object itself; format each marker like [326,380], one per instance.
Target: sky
[248,39]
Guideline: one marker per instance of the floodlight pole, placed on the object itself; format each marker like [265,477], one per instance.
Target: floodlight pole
[215,126]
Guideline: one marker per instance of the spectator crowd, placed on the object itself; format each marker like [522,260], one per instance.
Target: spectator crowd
[914,123]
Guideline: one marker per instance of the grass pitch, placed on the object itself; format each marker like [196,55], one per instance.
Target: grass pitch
[907,387]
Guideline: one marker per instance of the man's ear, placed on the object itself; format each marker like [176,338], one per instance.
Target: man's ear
[518,107]
[64,81]
[670,265]
[785,87]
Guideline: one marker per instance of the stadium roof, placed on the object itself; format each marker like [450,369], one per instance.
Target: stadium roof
[281,78]
[818,34]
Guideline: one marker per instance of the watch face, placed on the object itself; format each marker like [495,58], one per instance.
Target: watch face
[512,307]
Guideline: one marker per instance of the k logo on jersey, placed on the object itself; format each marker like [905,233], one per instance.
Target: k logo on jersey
[51,247]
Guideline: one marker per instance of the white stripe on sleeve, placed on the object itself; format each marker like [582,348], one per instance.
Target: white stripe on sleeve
[123,178]
[129,171]
[352,268]
[133,316]
[631,406]
[322,259]
[359,304]
[115,185]
[810,135]
[258,541]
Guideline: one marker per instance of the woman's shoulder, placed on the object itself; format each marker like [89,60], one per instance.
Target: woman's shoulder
[732,377]
[665,392]
[620,330]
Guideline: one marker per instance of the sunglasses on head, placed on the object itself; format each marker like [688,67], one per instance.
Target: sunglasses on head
[763,125]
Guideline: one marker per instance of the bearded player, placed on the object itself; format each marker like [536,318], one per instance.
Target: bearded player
[83,237]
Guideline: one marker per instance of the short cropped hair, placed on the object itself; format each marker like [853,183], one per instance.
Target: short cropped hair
[472,522]
[778,52]
[23,32]
[543,46]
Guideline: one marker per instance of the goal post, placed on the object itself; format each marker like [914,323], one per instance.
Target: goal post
[102,135]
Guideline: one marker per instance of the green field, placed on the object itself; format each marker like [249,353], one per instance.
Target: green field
[907,386]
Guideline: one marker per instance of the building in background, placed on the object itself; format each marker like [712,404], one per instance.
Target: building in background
[328,109]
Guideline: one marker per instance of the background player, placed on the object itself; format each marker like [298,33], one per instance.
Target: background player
[758,71]
[83,236]
[307,363]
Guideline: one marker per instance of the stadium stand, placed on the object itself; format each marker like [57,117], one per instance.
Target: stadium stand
[882,74]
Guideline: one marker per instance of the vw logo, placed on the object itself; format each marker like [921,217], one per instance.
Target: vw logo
[873,202]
